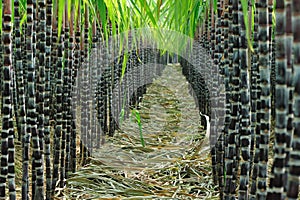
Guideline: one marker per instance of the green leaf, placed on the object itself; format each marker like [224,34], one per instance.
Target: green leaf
[273,19]
[76,5]
[23,6]
[196,14]
[1,17]
[124,65]
[22,21]
[215,2]
[158,5]
[139,12]
[102,12]
[246,20]
[138,119]
[112,15]
[61,6]
[149,12]
[122,113]
[69,10]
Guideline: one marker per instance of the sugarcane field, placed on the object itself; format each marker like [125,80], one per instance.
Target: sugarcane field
[150,99]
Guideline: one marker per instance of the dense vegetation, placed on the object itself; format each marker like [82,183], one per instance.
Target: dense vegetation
[61,57]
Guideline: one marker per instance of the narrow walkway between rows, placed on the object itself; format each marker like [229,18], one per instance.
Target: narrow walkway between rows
[168,167]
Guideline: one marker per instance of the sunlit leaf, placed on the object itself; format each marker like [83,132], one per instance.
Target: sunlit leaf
[1,17]
[137,116]
[76,17]
[102,13]
[149,13]
[61,8]
[215,2]
[69,9]
[124,65]
[246,21]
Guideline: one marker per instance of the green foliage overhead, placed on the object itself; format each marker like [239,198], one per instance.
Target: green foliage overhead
[122,15]
[118,16]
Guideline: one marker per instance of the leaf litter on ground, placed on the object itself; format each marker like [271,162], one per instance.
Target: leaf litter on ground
[168,167]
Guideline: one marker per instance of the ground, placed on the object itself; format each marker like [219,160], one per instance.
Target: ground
[170,166]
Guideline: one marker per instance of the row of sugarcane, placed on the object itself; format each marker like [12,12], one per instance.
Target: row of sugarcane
[256,47]
[65,88]
[37,83]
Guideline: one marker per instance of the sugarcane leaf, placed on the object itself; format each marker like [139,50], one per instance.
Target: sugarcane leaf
[69,10]
[215,2]
[61,4]
[22,21]
[1,17]
[134,4]
[149,13]
[196,14]
[22,6]
[158,5]
[273,19]
[76,7]
[246,19]
[124,65]
[102,12]
[112,15]
[137,116]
